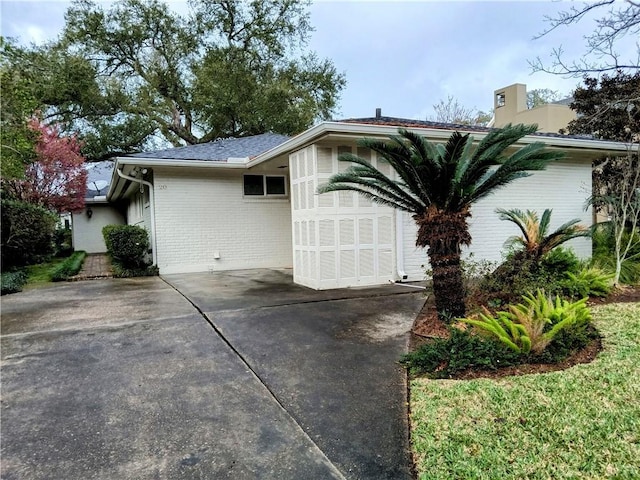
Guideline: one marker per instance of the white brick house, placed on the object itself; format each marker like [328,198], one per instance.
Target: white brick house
[252,203]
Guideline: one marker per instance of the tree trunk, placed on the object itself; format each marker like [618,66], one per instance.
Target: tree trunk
[448,285]
[444,233]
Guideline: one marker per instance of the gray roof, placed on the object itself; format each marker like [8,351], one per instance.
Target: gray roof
[408,123]
[564,101]
[220,150]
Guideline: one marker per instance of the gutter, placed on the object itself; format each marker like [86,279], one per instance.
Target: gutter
[152,203]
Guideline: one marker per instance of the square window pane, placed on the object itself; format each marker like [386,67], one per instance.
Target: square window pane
[275,186]
[253,185]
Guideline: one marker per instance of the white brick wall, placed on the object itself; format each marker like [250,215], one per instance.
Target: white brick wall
[563,186]
[203,212]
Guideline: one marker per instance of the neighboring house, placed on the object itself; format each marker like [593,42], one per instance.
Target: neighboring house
[510,106]
[253,203]
[88,223]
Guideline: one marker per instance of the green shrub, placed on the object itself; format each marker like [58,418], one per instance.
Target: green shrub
[519,274]
[27,233]
[571,339]
[106,234]
[12,282]
[603,253]
[70,267]
[121,272]
[128,245]
[588,282]
[63,244]
[444,358]
[532,325]
[560,260]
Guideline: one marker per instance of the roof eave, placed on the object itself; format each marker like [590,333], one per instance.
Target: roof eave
[352,128]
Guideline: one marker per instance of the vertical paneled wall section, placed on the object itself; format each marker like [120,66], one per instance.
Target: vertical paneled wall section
[340,239]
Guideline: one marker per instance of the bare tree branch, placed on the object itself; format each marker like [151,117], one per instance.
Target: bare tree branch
[621,19]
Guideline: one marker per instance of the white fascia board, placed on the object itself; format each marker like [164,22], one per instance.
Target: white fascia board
[363,129]
[171,162]
[123,162]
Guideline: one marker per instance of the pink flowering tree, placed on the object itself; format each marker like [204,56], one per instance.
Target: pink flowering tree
[57,179]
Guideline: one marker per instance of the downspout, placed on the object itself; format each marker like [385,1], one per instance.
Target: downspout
[153,211]
[400,247]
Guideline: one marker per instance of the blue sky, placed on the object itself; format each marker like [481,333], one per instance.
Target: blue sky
[401,56]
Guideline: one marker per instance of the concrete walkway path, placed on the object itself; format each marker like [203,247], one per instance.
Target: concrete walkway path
[239,376]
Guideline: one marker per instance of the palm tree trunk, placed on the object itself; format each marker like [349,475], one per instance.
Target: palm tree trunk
[448,286]
[444,233]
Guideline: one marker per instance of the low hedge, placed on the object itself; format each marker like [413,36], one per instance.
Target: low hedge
[12,282]
[70,267]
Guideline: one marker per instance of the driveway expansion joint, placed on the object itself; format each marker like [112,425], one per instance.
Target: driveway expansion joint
[255,374]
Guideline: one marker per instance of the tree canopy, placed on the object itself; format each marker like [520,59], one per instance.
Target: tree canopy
[57,179]
[608,107]
[135,74]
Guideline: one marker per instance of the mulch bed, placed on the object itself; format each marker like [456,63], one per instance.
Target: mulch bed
[427,326]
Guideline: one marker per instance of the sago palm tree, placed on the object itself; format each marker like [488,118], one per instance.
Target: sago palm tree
[437,184]
[536,241]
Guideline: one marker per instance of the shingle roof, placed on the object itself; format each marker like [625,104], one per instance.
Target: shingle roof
[220,150]
[406,122]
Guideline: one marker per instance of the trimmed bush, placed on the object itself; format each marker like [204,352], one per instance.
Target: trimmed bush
[27,233]
[120,272]
[70,267]
[12,282]
[128,245]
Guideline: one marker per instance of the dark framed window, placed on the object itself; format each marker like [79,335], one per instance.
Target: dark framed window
[253,185]
[275,186]
[265,185]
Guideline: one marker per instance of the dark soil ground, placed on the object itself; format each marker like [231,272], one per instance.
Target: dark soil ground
[428,326]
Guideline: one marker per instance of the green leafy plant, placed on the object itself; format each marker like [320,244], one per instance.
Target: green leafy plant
[512,334]
[70,267]
[604,257]
[530,326]
[536,241]
[444,358]
[588,282]
[12,282]
[518,275]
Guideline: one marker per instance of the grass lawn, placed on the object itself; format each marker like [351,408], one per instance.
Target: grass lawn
[41,273]
[581,423]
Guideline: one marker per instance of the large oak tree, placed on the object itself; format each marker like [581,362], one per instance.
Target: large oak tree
[135,74]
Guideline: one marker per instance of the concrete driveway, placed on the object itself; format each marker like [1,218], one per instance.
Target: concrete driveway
[238,375]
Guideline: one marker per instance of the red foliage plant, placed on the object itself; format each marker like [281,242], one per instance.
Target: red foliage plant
[57,179]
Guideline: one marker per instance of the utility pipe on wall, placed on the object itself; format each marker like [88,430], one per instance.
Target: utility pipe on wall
[153,211]
[400,246]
